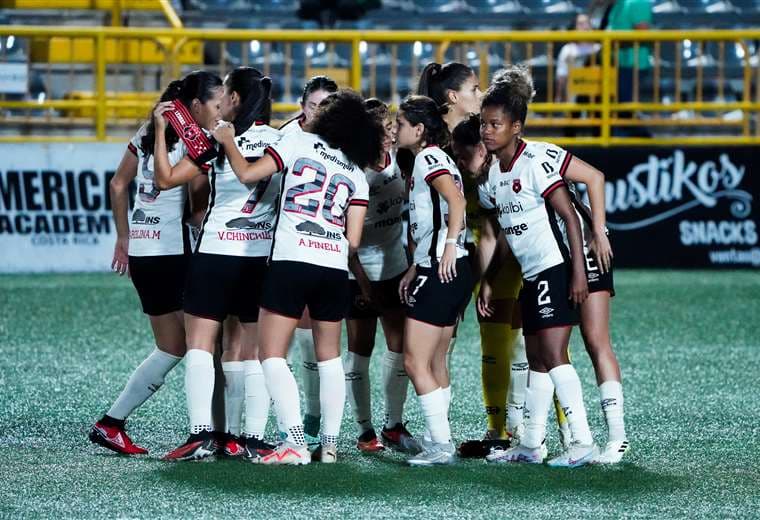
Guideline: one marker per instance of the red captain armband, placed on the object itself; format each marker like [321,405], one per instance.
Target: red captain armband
[133,149]
[200,148]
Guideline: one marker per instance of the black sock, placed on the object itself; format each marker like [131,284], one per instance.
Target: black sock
[110,421]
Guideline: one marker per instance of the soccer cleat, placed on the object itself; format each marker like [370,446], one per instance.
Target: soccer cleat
[613,452]
[233,446]
[400,439]
[477,449]
[436,454]
[575,456]
[516,434]
[198,446]
[325,453]
[517,453]
[369,443]
[114,438]
[285,453]
[255,448]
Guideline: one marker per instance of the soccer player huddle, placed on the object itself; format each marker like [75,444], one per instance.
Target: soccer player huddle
[259,242]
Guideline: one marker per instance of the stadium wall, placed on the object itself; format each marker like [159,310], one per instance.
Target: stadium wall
[684,207]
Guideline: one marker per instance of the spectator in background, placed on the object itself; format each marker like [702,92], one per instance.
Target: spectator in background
[629,15]
[572,55]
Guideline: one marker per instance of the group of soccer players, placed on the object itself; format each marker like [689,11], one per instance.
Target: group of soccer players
[259,239]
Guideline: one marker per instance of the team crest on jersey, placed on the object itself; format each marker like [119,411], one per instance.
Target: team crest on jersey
[516,186]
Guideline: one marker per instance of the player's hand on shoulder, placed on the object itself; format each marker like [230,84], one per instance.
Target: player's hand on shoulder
[120,261]
[406,281]
[224,131]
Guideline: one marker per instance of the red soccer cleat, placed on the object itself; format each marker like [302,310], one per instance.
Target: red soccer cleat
[114,438]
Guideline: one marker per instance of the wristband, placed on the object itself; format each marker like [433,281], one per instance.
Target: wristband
[451,241]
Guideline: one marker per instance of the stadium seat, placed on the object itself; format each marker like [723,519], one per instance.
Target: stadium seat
[496,6]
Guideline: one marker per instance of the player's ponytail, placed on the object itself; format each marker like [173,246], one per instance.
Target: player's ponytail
[436,81]
[198,85]
[344,122]
[423,110]
[512,89]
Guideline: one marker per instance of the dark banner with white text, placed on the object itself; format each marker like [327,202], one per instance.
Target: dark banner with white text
[687,207]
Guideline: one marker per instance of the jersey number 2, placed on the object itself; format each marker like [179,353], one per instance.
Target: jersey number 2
[543,293]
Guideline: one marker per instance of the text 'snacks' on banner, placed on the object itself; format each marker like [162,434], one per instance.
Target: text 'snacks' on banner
[681,207]
[55,209]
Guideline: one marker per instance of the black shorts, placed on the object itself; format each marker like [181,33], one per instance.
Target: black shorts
[385,293]
[597,281]
[160,282]
[290,287]
[544,301]
[437,303]
[222,285]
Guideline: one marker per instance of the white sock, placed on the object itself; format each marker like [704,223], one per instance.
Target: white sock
[147,378]
[538,400]
[356,368]
[310,374]
[395,385]
[284,391]
[234,395]
[518,383]
[332,393]
[611,393]
[434,409]
[450,352]
[570,395]
[447,398]
[199,388]
[256,400]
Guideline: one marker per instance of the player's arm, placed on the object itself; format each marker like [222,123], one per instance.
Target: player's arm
[167,177]
[581,171]
[247,173]
[198,192]
[559,198]
[492,250]
[119,190]
[446,188]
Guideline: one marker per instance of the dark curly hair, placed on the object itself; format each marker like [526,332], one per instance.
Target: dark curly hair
[467,132]
[437,79]
[512,89]
[423,110]
[198,85]
[378,108]
[344,122]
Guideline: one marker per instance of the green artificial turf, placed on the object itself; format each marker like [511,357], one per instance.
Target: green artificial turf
[688,344]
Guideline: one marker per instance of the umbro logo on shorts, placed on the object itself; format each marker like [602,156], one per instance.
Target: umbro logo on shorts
[546,312]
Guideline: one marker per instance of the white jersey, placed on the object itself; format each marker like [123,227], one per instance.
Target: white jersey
[428,211]
[240,217]
[382,253]
[318,185]
[518,196]
[294,125]
[155,225]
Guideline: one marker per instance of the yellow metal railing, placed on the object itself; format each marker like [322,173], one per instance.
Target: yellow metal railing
[95,80]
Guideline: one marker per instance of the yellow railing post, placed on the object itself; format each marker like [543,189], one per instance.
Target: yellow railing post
[100,86]
[356,65]
[606,88]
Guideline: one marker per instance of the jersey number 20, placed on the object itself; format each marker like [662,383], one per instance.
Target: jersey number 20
[311,205]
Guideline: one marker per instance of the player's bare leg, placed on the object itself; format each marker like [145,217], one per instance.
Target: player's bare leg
[595,319]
